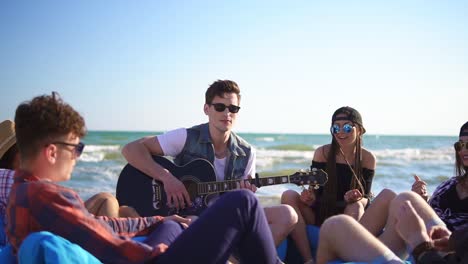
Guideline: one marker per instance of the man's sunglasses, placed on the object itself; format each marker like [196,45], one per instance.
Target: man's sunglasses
[221,107]
[459,145]
[78,148]
[346,128]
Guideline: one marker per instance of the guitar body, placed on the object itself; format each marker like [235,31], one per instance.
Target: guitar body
[147,195]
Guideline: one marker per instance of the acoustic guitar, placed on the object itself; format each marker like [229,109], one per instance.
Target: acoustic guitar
[147,195]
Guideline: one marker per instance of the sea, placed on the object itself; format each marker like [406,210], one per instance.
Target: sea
[398,159]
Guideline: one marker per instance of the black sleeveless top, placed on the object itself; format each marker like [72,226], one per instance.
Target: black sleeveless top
[345,175]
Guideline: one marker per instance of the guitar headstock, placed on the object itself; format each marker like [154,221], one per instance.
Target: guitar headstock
[314,178]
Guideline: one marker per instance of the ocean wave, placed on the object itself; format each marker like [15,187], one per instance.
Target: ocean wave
[267,157]
[97,153]
[265,139]
[298,147]
[415,154]
[93,148]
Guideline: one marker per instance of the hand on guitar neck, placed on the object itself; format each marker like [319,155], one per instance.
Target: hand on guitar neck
[246,184]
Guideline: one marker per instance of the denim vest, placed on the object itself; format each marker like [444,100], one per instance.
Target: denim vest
[198,145]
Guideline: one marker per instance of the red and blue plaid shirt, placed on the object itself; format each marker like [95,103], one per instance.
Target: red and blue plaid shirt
[39,205]
[6,180]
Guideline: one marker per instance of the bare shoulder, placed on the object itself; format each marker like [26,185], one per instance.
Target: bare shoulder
[368,159]
[321,153]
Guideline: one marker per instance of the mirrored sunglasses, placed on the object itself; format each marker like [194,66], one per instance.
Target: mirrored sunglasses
[459,145]
[346,128]
[221,107]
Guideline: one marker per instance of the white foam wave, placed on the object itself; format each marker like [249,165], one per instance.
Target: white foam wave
[107,148]
[415,154]
[266,158]
[266,139]
[92,157]
[96,153]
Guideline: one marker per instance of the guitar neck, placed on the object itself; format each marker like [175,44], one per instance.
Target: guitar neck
[224,186]
[273,180]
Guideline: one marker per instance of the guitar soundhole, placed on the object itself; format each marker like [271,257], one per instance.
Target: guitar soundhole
[156,205]
[192,190]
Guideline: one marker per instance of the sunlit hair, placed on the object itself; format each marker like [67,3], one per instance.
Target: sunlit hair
[42,120]
[328,205]
[219,88]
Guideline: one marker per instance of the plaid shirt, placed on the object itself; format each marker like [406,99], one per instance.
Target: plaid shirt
[40,205]
[454,220]
[6,180]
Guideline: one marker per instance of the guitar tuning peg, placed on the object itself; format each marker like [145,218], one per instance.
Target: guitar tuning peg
[316,187]
[301,170]
[314,169]
[308,170]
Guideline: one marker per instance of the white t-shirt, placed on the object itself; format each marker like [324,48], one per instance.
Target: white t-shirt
[172,143]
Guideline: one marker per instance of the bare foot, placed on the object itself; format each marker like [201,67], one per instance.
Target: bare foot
[410,226]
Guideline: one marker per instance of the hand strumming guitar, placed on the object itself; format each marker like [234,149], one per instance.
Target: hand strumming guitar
[176,193]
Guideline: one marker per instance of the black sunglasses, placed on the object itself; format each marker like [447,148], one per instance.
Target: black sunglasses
[78,148]
[221,107]
[459,145]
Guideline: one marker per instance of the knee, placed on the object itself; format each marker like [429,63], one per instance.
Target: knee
[333,223]
[241,197]
[103,197]
[387,194]
[407,196]
[290,197]
[103,204]
[283,215]
[244,194]
[356,206]
[290,214]
[127,211]
[172,227]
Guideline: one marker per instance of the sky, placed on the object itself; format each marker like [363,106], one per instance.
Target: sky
[145,65]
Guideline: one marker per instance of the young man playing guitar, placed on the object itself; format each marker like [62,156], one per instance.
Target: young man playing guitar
[232,157]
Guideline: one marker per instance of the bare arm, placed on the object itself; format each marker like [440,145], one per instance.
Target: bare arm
[138,153]
[320,154]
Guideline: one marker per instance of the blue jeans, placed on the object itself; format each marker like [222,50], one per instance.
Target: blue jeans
[234,223]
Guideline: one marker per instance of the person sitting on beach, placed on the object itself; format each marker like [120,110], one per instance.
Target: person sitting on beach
[232,157]
[9,162]
[350,170]
[412,226]
[48,133]
[450,198]
[101,204]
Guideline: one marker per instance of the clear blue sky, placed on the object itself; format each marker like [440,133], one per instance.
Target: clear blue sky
[145,65]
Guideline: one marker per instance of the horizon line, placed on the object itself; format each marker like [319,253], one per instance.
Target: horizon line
[280,133]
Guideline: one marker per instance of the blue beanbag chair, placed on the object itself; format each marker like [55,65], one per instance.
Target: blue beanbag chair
[6,255]
[45,247]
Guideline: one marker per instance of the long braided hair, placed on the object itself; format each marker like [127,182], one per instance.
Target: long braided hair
[328,203]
